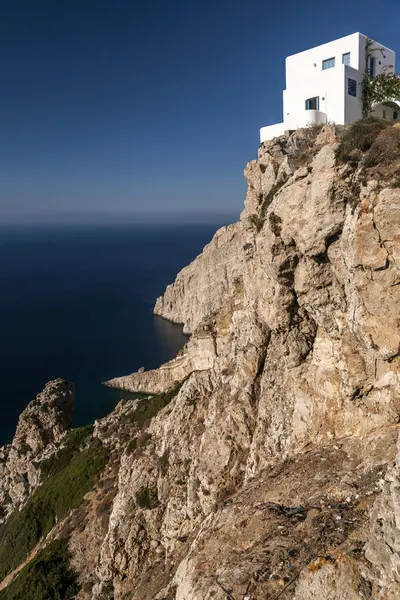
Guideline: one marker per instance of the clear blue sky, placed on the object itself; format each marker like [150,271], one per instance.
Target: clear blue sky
[149,109]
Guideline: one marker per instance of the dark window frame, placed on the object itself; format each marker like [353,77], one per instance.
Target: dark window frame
[372,66]
[326,63]
[346,58]
[352,87]
[311,105]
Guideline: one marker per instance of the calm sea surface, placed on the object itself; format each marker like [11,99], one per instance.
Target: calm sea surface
[77,303]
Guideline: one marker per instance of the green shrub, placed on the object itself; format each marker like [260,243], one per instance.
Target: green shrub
[62,491]
[46,577]
[147,498]
[257,222]
[358,138]
[108,587]
[385,149]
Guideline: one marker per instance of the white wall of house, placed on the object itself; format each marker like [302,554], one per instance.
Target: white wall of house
[328,86]
[306,78]
[353,108]
[272,131]
[383,60]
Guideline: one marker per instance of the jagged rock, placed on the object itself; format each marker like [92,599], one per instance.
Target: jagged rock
[41,427]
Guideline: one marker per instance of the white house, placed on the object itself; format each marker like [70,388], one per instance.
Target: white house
[323,84]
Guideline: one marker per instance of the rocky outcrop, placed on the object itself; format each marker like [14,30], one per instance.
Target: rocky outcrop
[41,427]
[198,355]
[271,470]
[300,300]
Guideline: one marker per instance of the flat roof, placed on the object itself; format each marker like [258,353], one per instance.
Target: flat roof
[338,40]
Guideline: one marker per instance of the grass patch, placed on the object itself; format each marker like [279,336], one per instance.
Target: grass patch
[62,491]
[73,441]
[147,409]
[47,576]
[358,138]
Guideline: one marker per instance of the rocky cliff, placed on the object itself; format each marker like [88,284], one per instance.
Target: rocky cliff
[267,465]
[41,427]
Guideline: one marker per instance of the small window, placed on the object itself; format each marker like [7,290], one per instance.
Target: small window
[346,59]
[372,66]
[384,114]
[328,63]
[352,87]
[312,103]
[395,115]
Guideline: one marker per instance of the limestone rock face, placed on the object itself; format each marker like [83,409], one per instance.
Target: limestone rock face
[294,316]
[274,470]
[209,280]
[41,427]
[383,546]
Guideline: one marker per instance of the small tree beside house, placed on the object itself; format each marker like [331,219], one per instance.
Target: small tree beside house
[385,87]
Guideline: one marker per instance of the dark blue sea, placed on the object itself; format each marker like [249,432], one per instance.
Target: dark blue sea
[76,302]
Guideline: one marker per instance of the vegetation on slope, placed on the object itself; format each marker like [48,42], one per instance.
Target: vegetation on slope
[373,145]
[385,149]
[147,409]
[47,576]
[74,441]
[70,475]
[359,137]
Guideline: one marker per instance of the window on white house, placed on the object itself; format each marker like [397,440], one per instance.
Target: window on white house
[384,114]
[328,63]
[372,66]
[346,58]
[312,103]
[395,115]
[352,87]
